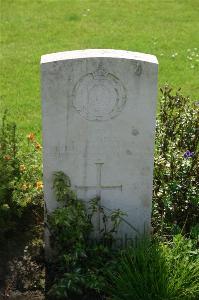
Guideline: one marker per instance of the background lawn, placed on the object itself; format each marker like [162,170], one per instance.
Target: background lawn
[31,28]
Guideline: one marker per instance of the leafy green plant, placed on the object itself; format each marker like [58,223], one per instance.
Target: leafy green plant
[80,264]
[175,196]
[155,270]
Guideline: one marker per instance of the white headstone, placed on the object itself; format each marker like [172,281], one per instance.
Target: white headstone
[98,128]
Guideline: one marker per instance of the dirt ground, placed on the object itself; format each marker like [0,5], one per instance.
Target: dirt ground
[23,296]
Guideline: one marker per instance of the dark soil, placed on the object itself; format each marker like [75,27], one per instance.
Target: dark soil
[22,267]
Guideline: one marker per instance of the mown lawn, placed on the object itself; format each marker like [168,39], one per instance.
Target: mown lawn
[166,28]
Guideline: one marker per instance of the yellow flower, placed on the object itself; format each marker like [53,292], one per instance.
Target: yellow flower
[39,185]
[31,136]
[38,146]
[7,157]
[24,187]
[22,168]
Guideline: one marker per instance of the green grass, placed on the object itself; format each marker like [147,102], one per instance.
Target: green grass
[30,29]
[158,271]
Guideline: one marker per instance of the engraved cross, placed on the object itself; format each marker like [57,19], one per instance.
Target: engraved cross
[99,186]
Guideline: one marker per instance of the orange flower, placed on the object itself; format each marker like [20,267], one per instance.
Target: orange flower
[7,157]
[39,185]
[38,146]
[31,136]
[22,168]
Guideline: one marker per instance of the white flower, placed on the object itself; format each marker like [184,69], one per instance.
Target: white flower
[174,54]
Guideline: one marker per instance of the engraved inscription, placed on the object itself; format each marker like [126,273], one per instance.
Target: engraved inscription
[103,145]
[99,96]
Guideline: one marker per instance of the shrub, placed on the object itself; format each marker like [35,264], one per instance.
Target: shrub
[20,177]
[175,196]
[79,266]
[21,203]
[154,270]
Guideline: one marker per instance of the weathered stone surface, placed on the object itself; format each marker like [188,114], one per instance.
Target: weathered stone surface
[98,127]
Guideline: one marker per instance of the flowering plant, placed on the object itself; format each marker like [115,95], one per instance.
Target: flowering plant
[20,176]
[175,196]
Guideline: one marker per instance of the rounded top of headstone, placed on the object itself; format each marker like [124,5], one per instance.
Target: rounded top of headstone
[92,53]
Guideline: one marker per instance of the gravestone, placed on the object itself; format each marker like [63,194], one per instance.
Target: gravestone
[98,128]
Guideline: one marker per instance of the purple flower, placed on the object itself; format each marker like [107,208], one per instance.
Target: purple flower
[188,154]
